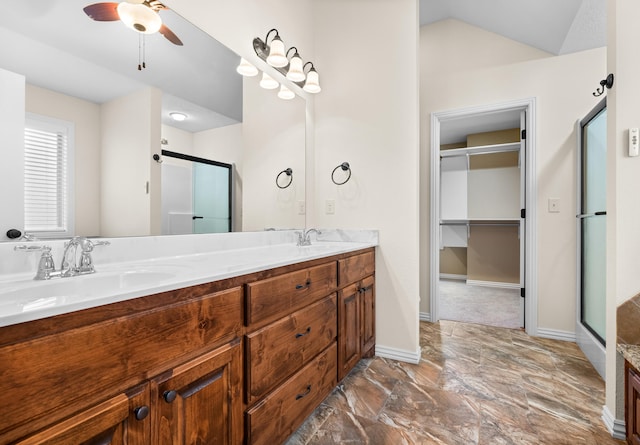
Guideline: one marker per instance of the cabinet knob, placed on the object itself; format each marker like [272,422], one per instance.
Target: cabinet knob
[169,396]
[141,412]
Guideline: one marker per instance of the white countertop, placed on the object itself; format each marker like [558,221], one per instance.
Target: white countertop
[162,269]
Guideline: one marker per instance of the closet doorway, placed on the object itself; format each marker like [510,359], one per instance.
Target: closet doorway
[481,246]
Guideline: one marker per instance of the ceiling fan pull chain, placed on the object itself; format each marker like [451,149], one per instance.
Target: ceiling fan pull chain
[139,51]
[144,51]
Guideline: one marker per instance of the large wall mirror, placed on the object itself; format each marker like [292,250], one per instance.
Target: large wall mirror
[118,88]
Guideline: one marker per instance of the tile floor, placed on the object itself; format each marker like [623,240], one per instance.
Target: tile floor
[474,385]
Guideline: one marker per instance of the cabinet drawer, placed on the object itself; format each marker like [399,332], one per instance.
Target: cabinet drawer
[281,348]
[278,296]
[282,411]
[356,267]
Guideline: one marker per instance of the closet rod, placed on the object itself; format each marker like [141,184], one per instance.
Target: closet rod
[506,224]
[480,150]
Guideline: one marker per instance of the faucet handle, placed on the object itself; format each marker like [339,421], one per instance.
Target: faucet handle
[46,266]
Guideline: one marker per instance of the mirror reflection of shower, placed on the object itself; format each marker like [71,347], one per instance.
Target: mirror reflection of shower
[196,195]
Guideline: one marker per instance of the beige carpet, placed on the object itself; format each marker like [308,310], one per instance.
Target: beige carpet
[491,306]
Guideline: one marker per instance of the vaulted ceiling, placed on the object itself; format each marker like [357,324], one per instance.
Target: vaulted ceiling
[556,26]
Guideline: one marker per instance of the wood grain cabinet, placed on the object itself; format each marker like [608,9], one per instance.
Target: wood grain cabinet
[356,310]
[241,360]
[290,361]
[632,404]
[106,375]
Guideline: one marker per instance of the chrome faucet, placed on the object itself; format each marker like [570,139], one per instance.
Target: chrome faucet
[69,267]
[303,236]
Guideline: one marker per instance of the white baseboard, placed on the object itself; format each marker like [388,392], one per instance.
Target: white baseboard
[453,276]
[615,426]
[398,354]
[425,316]
[493,284]
[556,334]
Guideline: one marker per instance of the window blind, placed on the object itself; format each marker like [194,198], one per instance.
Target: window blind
[45,176]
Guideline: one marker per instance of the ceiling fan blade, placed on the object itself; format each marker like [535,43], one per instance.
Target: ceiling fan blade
[102,12]
[170,36]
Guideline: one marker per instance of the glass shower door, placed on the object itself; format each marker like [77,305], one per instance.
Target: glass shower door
[592,220]
[211,198]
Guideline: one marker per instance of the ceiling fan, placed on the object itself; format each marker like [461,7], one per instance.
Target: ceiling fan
[140,15]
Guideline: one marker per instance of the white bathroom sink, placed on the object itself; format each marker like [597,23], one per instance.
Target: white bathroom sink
[35,295]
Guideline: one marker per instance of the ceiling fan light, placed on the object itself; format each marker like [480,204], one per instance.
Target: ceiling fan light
[268,83]
[295,73]
[246,69]
[277,58]
[285,93]
[312,85]
[139,17]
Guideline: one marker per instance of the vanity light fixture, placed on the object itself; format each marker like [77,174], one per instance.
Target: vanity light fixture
[268,83]
[246,69]
[312,84]
[139,17]
[295,72]
[285,93]
[178,117]
[293,69]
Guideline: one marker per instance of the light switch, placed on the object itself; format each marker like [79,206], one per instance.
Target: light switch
[634,143]
[330,207]
[554,205]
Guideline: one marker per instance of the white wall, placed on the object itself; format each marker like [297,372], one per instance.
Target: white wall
[86,118]
[12,108]
[623,206]
[274,140]
[367,115]
[126,165]
[464,66]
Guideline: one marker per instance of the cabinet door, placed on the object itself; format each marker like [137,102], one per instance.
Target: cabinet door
[200,401]
[632,401]
[368,317]
[349,330]
[118,421]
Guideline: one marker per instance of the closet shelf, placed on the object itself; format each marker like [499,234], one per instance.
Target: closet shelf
[480,221]
[480,150]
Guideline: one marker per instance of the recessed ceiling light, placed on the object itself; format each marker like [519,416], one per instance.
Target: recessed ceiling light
[178,116]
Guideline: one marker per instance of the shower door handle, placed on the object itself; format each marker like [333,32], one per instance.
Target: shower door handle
[197,217]
[588,215]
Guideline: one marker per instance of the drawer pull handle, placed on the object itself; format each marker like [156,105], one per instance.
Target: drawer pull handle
[302,334]
[169,396]
[364,289]
[304,394]
[141,412]
[303,286]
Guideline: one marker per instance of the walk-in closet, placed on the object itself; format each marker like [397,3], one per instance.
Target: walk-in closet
[481,200]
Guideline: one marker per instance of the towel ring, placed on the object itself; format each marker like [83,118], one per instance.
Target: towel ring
[287,172]
[345,167]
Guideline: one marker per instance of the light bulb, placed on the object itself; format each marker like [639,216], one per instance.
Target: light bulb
[295,73]
[285,93]
[268,83]
[139,17]
[277,57]
[312,85]
[246,69]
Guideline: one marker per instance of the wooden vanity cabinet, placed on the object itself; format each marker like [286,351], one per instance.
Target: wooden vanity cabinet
[632,404]
[99,376]
[290,350]
[356,310]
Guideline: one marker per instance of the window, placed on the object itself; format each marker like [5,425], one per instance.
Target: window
[48,176]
